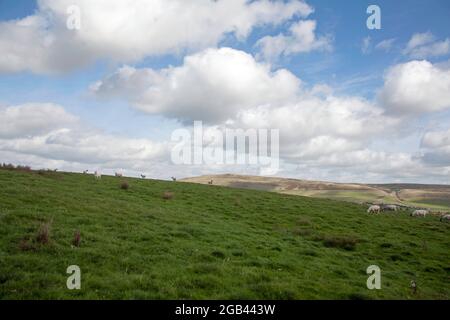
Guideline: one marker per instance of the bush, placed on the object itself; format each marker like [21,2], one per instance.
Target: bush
[167,195]
[23,168]
[124,185]
[8,166]
[346,243]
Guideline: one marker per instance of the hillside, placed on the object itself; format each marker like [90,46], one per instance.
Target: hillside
[434,197]
[206,242]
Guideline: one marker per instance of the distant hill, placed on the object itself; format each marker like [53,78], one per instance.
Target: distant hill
[434,197]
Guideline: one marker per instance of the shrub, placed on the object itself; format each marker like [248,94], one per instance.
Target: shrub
[124,185]
[43,234]
[23,168]
[8,166]
[76,239]
[167,195]
[346,243]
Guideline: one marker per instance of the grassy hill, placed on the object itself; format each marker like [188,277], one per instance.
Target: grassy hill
[433,197]
[206,242]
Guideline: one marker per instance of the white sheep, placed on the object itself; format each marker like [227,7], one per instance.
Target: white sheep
[142,176]
[97,175]
[390,207]
[419,213]
[445,218]
[374,209]
[118,174]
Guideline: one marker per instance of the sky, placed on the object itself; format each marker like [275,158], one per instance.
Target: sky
[104,85]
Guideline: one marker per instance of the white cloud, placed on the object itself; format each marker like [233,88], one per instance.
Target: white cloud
[319,126]
[212,86]
[129,30]
[33,119]
[436,145]
[424,45]
[227,86]
[436,139]
[385,45]
[366,45]
[416,87]
[47,133]
[301,38]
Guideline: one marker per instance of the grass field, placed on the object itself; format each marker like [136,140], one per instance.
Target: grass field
[206,242]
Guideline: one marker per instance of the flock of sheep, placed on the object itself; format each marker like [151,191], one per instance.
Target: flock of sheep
[98,175]
[376,209]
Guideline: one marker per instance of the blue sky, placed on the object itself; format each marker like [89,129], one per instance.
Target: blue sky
[349,71]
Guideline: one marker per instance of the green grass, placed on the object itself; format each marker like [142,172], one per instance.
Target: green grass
[207,242]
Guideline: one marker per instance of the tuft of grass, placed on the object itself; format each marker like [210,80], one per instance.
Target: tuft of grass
[43,233]
[76,239]
[218,254]
[167,195]
[25,244]
[304,221]
[302,232]
[124,185]
[341,242]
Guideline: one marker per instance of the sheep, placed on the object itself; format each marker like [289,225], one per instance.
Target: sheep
[85,171]
[374,209]
[445,218]
[118,174]
[390,207]
[97,175]
[174,179]
[211,182]
[142,176]
[419,213]
[413,286]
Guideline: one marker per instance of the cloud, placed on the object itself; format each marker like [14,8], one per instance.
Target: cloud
[211,86]
[300,38]
[424,45]
[130,30]
[229,87]
[416,87]
[385,45]
[319,131]
[436,145]
[366,45]
[33,119]
[318,126]
[46,133]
